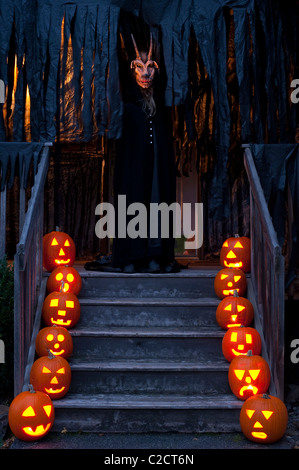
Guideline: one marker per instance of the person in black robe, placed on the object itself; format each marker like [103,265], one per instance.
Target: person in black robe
[145,168]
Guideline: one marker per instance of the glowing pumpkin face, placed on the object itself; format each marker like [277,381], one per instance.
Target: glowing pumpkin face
[234,311]
[228,280]
[58,249]
[235,253]
[55,339]
[31,415]
[237,341]
[66,275]
[52,375]
[248,375]
[62,309]
[263,418]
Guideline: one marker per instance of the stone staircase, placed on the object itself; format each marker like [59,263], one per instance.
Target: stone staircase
[147,356]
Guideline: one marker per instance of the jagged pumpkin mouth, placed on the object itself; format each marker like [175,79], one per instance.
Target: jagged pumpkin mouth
[39,430]
[54,391]
[62,261]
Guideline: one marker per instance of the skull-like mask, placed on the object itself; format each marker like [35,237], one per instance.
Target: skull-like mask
[144,67]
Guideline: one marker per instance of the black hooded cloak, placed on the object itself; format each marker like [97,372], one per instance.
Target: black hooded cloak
[144,172]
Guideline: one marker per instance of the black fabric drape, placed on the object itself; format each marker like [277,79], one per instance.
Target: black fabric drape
[67,53]
[278,169]
[16,159]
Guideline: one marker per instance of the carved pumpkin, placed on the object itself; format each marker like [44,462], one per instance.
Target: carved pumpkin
[248,375]
[264,418]
[55,339]
[52,375]
[237,341]
[62,309]
[228,280]
[31,415]
[235,253]
[69,276]
[58,249]
[234,311]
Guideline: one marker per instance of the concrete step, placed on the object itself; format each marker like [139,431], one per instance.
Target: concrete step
[150,377]
[191,283]
[136,343]
[157,312]
[147,356]
[147,413]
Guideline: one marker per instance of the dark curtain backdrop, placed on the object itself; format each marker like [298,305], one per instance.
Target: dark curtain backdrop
[227,64]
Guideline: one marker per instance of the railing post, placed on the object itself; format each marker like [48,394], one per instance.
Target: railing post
[2,222]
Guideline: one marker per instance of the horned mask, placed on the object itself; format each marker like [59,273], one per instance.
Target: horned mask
[144,66]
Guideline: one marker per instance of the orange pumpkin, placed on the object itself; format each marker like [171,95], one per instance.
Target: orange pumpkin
[248,375]
[228,280]
[55,339]
[62,309]
[31,415]
[264,418]
[235,253]
[52,375]
[237,341]
[58,250]
[234,311]
[67,275]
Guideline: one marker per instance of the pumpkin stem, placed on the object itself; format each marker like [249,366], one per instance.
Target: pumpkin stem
[266,396]
[50,355]
[31,389]
[57,229]
[237,235]
[236,293]
[249,353]
[62,286]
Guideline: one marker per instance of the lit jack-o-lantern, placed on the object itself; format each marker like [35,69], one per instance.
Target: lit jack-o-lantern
[67,275]
[31,415]
[52,375]
[248,375]
[234,311]
[235,253]
[62,309]
[237,341]
[58,250]
[55,339]
[228,280]
[264,418]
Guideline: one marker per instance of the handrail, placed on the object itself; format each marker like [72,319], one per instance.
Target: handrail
[29,286]
[267,275]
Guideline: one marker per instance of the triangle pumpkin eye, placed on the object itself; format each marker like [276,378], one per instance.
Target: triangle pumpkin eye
[239,373]
[46,370]
[267,414]
[28,412]
[61,371]
[67,243]
[48,410]
[254,373]
[240,308]
[228,308]
[238,245]
[250,413]
[54,242]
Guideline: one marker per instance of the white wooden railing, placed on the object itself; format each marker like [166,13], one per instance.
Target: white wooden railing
[267,275]
[29,285]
